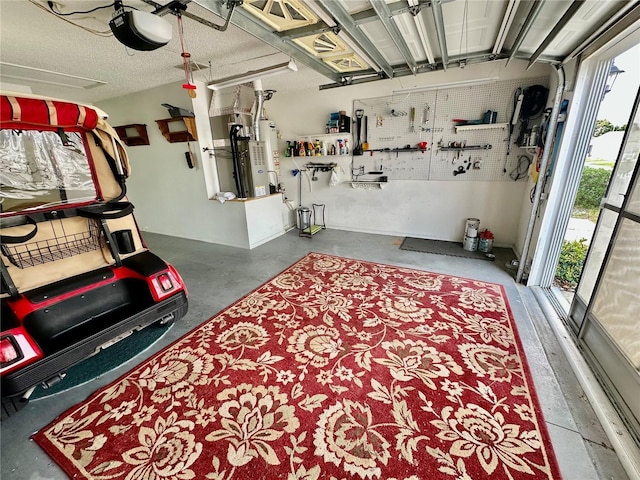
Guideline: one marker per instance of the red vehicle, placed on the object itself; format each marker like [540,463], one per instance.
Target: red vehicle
[76,273]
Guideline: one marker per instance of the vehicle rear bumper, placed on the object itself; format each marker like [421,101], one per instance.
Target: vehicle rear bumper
[19,381]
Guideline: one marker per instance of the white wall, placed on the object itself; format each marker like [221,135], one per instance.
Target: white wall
[172,199]
[435,210]
[169,197]
[429,209]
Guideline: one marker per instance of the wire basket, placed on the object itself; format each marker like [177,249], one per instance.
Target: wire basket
[61,245]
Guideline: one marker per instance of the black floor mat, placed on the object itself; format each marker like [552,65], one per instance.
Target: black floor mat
[105,361]
[453,249]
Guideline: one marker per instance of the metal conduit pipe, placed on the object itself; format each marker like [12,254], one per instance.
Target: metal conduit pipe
[526,27]
[257,86]
[544,164]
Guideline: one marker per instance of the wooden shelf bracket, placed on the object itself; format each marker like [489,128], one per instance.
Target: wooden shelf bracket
[134,134]
[187,134]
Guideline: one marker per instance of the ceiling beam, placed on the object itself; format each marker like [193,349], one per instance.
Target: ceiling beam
[436,8]
[175,7]
[534,11]
[505,26]
[306,31]
[349,27]
[568,15]
[336,29]
[184,13]
[625,27]
[403,71]
[610,26]
[253,26]
[553,60]
[370,15]
[396,8]
[384,14]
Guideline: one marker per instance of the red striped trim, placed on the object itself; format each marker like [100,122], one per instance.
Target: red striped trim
[32,111]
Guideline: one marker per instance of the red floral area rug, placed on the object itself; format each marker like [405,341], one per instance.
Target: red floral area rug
[335,369]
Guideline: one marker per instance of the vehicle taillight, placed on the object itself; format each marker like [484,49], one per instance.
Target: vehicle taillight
[165,284]
[165,281]
[9,351]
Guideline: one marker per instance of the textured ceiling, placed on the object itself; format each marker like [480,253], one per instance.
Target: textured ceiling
[32,37]
[376,39]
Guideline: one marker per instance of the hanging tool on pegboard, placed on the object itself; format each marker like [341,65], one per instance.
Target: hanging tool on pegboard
[425,118]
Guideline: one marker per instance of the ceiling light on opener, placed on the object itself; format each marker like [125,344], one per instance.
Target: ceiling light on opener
[252,75]
[140,30]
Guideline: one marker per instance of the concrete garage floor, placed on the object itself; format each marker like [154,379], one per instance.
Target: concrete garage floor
[218,275]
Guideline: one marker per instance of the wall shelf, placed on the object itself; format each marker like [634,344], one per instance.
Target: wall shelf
[532,149]
[331,138]
[133,135]
[186,134]
[367,184]
[480,126]
[346,135]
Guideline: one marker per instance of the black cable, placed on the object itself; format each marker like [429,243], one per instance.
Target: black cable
[51,4]
[522,168]
[50,11]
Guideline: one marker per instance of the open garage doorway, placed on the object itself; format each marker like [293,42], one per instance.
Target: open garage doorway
[613,119]
[601,312]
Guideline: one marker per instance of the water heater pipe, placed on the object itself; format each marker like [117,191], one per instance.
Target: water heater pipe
[257,86]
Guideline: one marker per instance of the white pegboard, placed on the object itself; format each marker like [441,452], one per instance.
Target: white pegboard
[389,126]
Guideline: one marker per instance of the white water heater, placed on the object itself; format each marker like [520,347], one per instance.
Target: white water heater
[258,158]
[269,136]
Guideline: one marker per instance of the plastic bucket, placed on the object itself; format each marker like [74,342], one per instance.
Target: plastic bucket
[304,218]
[470,243]
[485,245]
[472,225]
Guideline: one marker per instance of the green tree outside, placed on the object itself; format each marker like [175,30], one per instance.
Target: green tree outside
[605,126]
